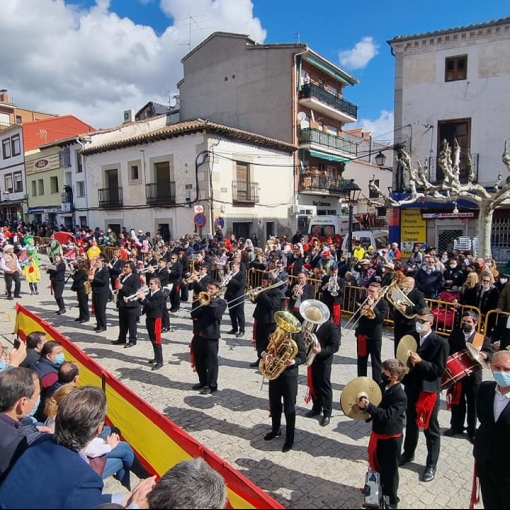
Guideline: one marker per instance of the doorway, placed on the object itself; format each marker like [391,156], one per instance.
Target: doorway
[446,235]
[241,229]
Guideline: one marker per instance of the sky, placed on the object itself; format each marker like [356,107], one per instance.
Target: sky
[97,58]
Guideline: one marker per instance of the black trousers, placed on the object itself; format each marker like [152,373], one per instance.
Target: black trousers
[262,336]
[494,487]
[321,376]
[467,404]
[128,323]
[388,457]
[9,278]
[184,293]
[374,350]
[205,351]
[284,387]
[166,315]
[432,434]
[58,291]
[100,302]
[175,297]
[236,313]
[157,348]
[83,305]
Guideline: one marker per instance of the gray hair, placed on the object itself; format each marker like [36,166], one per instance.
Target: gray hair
[79,417]
[189,484]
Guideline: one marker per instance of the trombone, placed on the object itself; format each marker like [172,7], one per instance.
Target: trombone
[365,309]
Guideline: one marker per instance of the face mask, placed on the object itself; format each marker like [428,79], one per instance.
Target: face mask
[467,328]
[3,364]
[502,379]
[59,359]
[503,281]
[36,405]
[453,266]
[421,328]
[485,286]
[444,259]
[488,264]
[385,380]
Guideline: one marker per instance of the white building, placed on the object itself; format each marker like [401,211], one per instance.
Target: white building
[12,174]
[191,176]
[452,84]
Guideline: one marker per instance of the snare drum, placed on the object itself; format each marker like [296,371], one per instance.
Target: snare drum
[460,364]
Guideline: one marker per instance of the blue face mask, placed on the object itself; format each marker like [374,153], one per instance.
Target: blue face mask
[3,364]
[59,359]
[36,405]
[502,379]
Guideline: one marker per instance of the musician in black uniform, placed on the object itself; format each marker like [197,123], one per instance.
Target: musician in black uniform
[200,281]
[462,396]
[129,311]
[153,303]
[183,259]
[369,333]
[332,293]
[162,274]
[267,304]
[175,278]
[116,265]
[236,283]
[423,385]
[100,282]
[206,335]
[57,278]
[285,387]
[298,292]
[80,276]
[329,337]
[405,325]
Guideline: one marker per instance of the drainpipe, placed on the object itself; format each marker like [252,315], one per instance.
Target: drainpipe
[84,179]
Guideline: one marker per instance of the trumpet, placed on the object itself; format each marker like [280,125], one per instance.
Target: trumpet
[189,279]
[204,298]
[297,288]
[332,286]
[366,309]
[149,269]
[145,290]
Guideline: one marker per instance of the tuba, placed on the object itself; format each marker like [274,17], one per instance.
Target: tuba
[281,346]
[314,313]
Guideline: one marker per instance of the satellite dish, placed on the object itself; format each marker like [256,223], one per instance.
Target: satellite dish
[301,116]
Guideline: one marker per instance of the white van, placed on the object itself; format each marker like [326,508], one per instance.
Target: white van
[379,239]
[325,226]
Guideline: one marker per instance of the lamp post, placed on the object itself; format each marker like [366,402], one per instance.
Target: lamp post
[350,192]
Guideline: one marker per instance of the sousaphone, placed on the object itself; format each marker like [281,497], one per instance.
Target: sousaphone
[353,391]
[406,345]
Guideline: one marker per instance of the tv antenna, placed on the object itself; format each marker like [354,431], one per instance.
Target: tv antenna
[192,20]
[298,37]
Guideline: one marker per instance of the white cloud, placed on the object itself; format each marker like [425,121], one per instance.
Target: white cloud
[359,56]
[94,64]
[381,128]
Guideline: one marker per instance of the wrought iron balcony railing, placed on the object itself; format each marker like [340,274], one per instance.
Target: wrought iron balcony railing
[245,192]
[110,197]
[321,183]
[311,135]
[160,193]
[314,91]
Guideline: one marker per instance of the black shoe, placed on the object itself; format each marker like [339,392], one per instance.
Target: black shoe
[18,296]
[173,310]
[206,391]
[287,446]
[325,421]
[128,345]
[272,435]
[312,413]
[429,474]
[452,432]
[232,332]
[240,334]
[61,312]
[405,459]
[254,364]
[83,321]
[77,320]
[100,330]
[198,386]
[117,342]
[471,438]
[165,330]
[10,297]
[157,366]
[152,361]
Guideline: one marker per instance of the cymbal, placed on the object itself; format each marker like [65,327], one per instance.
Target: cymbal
[351,393]
[475,355]
[406,344]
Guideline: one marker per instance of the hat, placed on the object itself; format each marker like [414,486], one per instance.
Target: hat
[370,248]
[109,230]
[8,247]
[333,267]
[365,261]
[389,265]
[326,253]
[140,231]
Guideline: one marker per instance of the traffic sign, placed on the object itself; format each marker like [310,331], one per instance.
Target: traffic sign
[199,220]
[199,209]
[220,222]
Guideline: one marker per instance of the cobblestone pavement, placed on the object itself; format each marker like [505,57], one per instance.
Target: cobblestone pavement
[327,465]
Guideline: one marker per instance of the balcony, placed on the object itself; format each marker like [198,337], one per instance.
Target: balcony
[245,192]
[310,136]
[435,173]
[320,184]
[319,99]
[66,198]
[160,193]
[110,197]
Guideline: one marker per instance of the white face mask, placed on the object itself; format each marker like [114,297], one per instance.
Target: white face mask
[421,328]
[503,281]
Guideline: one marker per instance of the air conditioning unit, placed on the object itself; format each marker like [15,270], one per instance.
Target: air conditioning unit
[295,209]
[129,116]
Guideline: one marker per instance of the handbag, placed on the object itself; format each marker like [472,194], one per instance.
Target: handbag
[97,464]
[444,317]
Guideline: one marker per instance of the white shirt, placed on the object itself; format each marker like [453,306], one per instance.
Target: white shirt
[500,402]
[423,338]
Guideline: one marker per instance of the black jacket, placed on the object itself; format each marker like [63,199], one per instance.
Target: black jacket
[236,286]
[130,286]
[153,305]
[327,298]
[175,274]
[162,274]
[372,328]
[116,269]
[207,319]
[79,277]
[58,274]
[101,281]
[267,304]
[201,285]
[308,293]
[389,416]
[403,323]
[427,375]
[329,337]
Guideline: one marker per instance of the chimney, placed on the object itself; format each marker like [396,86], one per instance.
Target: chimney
[4,97]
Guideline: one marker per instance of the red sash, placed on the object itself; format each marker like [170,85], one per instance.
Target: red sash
[192,357]
[337,312]
[157,331]
[373,464]
[475,489]
[309,382]
[51,287]
[424,407]
[453,395]
[362,345]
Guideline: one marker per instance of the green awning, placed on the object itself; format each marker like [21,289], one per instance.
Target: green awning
[328,157]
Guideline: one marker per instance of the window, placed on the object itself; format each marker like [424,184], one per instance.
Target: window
[34,188]
[19,120]
[371,193]
[133,173]
[15,145]
[451,130]
[18,183]
[80,185]
[6,148]
[40,185]
[65,158]
[83,221]
[456,68]
[8,183]
[79,166]
[53,184]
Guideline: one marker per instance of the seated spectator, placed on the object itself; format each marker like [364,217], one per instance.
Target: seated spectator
[19,397]
[52,356]
[51,404]
[55,469]
[189,484]
[454,276]
[35,342]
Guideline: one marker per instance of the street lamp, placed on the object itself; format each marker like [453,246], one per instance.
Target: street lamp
[380,159]
[350,192]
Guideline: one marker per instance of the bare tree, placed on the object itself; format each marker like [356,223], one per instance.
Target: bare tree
[452,189]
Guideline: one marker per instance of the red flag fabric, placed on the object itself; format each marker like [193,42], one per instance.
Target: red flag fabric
[64,237]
